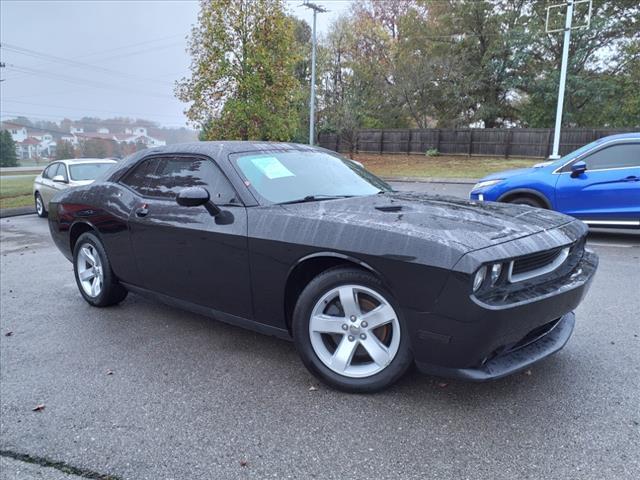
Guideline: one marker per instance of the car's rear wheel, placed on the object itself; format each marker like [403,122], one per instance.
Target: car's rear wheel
[523,200]
[349,331]
[40,208]
[95,279]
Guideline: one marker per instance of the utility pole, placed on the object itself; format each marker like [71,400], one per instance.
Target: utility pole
[563,69]
[312,99]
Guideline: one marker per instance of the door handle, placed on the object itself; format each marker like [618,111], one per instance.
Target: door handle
[142,210]
[632,178]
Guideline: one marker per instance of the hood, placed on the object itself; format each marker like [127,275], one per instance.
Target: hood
[509,173]
[505,174]
[447,220]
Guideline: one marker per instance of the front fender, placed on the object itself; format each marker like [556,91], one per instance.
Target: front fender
[526,191]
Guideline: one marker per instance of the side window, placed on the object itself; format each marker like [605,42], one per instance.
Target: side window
[141,176]
[615,156]
[49,171]
[176,173]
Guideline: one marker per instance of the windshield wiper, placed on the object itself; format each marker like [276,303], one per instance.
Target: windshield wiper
[314,198]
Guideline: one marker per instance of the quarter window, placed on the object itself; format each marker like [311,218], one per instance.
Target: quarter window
[141,176]
[615,156]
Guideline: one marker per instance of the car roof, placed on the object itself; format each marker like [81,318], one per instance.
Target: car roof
[620,136]
[218,149]
[75,161]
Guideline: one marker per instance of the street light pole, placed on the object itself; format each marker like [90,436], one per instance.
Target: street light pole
[563,80]
[312,96]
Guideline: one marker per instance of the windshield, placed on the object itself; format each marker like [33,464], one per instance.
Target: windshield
[88,171]
[292,176]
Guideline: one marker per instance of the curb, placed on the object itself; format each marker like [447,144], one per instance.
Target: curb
[14,212]
[461,181]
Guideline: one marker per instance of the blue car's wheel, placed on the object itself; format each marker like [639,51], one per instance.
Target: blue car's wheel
[525,200]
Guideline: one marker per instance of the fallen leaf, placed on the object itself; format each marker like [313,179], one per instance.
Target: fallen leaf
[243,462]
[38,408]
[442,384]
[109,372]
[527,372]
[8,334]
[312,388]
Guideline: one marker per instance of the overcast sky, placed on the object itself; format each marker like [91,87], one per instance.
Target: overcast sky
[103,58]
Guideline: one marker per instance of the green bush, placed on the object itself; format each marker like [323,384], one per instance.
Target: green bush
[432,152]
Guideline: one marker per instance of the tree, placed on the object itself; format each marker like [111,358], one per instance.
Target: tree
[93,148]
[65,150]
[600,80]
[242,83]
[8,156]
[302,72]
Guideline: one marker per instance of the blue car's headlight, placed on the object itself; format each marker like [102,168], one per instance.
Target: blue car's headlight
[486,183]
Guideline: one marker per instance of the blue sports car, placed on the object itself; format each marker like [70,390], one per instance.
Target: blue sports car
[599,183]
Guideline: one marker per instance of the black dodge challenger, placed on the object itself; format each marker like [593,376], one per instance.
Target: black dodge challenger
[297,242]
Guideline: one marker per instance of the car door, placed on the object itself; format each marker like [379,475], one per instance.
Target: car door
[49,187]
[608,191]
[184,252]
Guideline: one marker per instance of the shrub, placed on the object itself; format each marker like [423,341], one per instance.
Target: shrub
[432,152]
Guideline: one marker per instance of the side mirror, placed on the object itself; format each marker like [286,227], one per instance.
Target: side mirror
[578,169]
[196,197]
[58,179]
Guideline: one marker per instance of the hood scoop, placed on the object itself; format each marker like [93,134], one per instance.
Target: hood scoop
[390,208]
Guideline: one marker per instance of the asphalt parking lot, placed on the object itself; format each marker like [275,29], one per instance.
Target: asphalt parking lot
[145,391]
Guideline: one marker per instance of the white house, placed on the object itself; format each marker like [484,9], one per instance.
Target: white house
[72,139]
[137,131]
[18,132]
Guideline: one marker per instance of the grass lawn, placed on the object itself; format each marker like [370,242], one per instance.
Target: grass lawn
[35,171]
[421,166]
[16,191]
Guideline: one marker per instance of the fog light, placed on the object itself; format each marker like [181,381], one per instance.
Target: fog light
[496,269]
[479,278]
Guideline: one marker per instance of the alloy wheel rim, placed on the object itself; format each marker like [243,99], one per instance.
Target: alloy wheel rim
[90,271]
[354,331]
[39,205]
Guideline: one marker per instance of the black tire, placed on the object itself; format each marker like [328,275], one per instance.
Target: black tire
[530,201]
[112,292]
[312,294]
[41,210]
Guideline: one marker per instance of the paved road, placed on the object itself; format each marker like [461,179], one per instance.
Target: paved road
[191,398]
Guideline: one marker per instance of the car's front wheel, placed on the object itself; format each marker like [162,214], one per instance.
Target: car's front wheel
[96,281]
[40,208]
[349,331]
[525,200]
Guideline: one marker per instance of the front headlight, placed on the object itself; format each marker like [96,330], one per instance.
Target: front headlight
[486,183]
[479,278]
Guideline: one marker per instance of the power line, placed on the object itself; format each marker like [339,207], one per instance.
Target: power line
[74,63]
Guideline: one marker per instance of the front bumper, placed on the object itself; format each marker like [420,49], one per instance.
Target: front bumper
[513,359]
[466,338]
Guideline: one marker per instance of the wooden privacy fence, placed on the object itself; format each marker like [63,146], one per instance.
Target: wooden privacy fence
[494,142]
